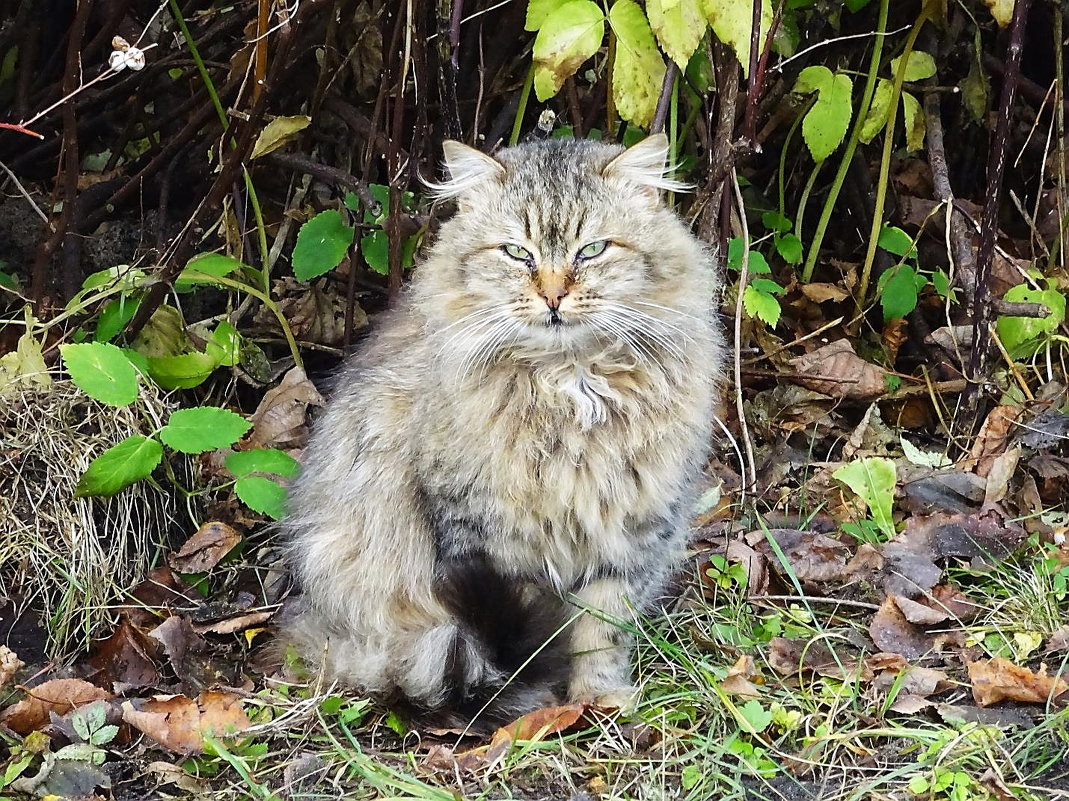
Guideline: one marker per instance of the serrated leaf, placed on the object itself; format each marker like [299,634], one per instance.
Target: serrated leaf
[761,305]
[203,429]
[101,371]
[638,71]
[732,22]
[1024,336]
[898,291]
[789,248]
[203,268]
[120,466]
[758,263]
[879,111]
[913,117]
[679,26]
[322,243]
[919,67]
[568,36]
[756,715]
[827,121]
[873,480]
[768,286]
[278,132]
[262,495]
[894,240]
[185,371]
[262,460]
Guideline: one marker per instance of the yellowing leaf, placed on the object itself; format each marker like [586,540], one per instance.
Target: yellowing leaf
[278,132]
[568,36]
[920,66]
[538,10]
[873,480]
[23,366]
[638,72]
[732,22]
[1001,10]
[914,119]
[679,26]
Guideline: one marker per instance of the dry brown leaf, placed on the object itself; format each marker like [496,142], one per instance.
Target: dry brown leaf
[1000,471]
[1059,639]
[533,726]
[837,371]
[9,665]
[737,681]
[128,657]
[908,704]
[813,556]
[58,695]
[999,679]
[821,293]
[890,631]
[201,552]
[234,624]
[993,438]
[279,420]
[180,724]
[919,613]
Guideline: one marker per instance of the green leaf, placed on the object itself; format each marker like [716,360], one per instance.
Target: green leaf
[120,466]
[898,291]
[913,117]
[203,429]
[164,334]
[262,495]
[184,371]
[879,111]
[569,35]
[873,480]
[732,22]
[768,286]
[101,371]
[856,5]
[761,305]
[920,66]
[826,123]
[789,248]
[1024,336]
[322,243]
[756,715]
[895,240]
[538,10]
[375,248]
[758,264]
[114,317]
[679,26]
[224,346]
[774,221]
[203,268]
[941,282]
[736,247]
[638,71]
[262,460]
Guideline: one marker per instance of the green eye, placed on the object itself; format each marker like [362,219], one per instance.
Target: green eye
[593,249]
[516,252]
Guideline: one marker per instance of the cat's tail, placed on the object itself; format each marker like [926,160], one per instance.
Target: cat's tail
[510,654]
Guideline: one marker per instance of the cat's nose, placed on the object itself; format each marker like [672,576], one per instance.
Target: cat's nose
[553,295]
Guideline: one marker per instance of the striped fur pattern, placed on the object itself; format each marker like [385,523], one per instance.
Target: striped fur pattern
[516,446]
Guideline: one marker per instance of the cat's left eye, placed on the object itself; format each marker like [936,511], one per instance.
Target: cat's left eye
[593,249]
[516,252]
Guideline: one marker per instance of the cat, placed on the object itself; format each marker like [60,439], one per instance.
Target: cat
[505,471]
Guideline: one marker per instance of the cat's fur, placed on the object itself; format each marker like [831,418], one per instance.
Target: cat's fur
[485,457]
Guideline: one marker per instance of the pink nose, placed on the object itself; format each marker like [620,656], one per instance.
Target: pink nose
[553,295]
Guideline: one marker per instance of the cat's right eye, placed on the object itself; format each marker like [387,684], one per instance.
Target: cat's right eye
[516,252]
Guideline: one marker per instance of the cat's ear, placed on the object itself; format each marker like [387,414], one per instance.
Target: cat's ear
[645,166]
[467,169]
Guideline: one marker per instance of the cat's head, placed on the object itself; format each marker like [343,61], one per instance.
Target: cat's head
[563,245]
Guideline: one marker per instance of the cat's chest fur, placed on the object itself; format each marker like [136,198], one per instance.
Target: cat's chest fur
[565,468]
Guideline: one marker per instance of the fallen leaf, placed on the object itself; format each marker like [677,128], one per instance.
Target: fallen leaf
[279,420]
[532,727]
[191,656]
[999,679]
[127,657]
[914,680]
[58,695]
[1046,430]
[811,555]
[890,631]
[993,438]
[919,613]
[737,681]
[1059,639]
[9,665]
[203,551]
[821,293]
[158,596]
[180,724]
[235,624]
[837,371]
[278,132]
[166,773]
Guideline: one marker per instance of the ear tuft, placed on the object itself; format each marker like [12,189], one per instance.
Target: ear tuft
[467,168]
[644,164]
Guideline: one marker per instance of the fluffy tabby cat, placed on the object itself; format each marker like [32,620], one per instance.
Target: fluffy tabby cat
[515,447]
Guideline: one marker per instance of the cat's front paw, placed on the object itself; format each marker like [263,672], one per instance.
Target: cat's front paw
[623,698]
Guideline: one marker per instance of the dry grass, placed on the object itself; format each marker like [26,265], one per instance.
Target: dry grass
[67,558]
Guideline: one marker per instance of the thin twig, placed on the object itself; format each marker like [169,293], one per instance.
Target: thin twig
[750,467]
